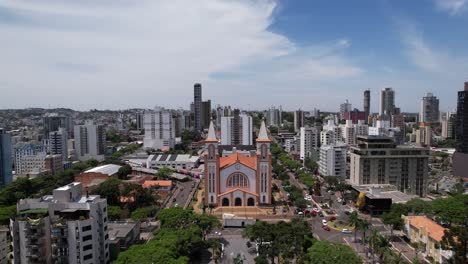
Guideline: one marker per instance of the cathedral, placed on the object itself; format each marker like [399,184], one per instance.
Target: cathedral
[240,178]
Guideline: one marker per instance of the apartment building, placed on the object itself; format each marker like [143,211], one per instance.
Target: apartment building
[66,227]
[378,160]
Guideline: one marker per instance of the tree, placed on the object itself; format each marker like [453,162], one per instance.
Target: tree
[417,206]
[456,239]
[6,213]
[324,252]
[452,209]
[143,213]
[124,171]
[354,220]
[393,219]
[110,189]
[164,173]
[215,246]
[176,218]
[114,212]
[207,223]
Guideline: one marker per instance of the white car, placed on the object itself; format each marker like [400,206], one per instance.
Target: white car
[316,210]
[346,231]
[324,222]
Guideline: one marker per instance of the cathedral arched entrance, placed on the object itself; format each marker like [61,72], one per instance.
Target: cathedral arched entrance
[238,202]
[225,202]
[250,202]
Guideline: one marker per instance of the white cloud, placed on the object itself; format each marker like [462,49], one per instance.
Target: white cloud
[427,57]
[111,54]
[452,6]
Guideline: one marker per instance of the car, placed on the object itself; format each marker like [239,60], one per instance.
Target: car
[326,227]
[300,213]
[320,214]
[309,206]
[316,209]
[324,221]
[174,199]
[314,213]
[176,205]
[346,231]
[332,218]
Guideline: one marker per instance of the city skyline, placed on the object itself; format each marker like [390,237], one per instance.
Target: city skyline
[282,52]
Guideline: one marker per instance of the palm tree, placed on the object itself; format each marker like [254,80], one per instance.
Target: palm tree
[364,225]
[354,220]
[215,246]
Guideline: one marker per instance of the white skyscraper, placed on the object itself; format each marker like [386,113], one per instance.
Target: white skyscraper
[349,133]
[159,130]
[236,129]
[331,133]
[310,139]
[345,107]
[66,227]
[447,124]
[333,160]
[90,140]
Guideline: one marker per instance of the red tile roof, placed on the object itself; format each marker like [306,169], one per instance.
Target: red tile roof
[435,230]
[250,162]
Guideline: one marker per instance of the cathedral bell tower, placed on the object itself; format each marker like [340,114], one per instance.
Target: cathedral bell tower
[211,156]
[264,165]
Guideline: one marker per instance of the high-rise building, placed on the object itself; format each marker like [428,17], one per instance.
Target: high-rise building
[197,106]
[310,142]
[461,125]
[387,102]
[333,160]
[159,130]
[331,133]
[349,133]
[66,227]
[139,120]
[378,160]
[345,107]
[424,135]
[447,121]
[30,160]
[90,141]
[52,122]
[58,143]
[206,114]
[298,120]
[6,175]
[366,105]
[273,116]
[236,129]
[429,109]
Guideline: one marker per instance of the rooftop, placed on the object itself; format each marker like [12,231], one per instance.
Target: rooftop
[68,186]
[384,191]
[435,231]
[120,230]
[148,184]
[173,157]
[109,169]
[250,162]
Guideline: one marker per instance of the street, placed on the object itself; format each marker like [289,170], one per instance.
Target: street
[182,194]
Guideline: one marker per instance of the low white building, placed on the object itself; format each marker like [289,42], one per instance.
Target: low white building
[174,161]
[333,160]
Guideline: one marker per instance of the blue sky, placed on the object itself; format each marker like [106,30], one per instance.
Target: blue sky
[251,54]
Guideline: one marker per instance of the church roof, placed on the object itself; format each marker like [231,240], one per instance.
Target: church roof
[237,189]
[250,162]
[211,134]
[263,133]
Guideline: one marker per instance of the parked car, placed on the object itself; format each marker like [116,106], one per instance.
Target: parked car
[332,218]
[326,227]
[174,199]
[346,231]
[324,221]
[320,214]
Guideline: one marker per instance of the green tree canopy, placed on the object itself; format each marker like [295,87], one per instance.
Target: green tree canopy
[110,189]
[324,252]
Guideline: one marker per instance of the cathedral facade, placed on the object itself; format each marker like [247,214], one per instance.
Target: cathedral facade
[240,179]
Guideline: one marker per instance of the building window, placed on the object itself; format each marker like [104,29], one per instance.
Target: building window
[238,180]
[88,237]
[85,228]
[89,256]
[88,247]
